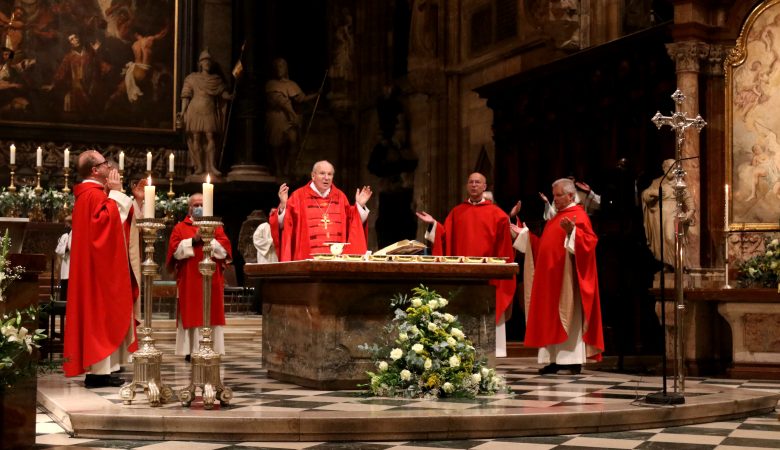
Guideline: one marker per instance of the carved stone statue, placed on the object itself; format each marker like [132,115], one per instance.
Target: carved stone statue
[343,49]
[203,100]
[650,208]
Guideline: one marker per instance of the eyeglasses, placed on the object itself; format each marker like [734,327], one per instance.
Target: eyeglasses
[100,164]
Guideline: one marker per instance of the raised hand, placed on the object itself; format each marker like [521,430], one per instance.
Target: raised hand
[544,198]
[362,196]
[113,183]
[582,186]
[568,224]
[138,190]
[284,194]
[425,217]
[516,209]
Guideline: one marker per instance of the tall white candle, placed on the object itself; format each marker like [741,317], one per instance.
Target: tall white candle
[121,160]
[726,224]
[66,158]
[149,199]
[39,157]
[149,161]
[13,154]
[170,163]
[208,197]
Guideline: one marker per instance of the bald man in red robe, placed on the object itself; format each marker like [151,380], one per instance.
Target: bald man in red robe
[102,289]
[185,252]
[563,317]
[477,227]
[317,214]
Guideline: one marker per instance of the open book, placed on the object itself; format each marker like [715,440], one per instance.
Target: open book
[405,247]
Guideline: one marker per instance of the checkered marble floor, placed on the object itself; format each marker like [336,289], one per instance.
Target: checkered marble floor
[254,390]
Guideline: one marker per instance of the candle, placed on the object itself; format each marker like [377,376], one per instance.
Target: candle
[170,163]
[121,160]
[149,161]
[39,157]
[13,154]
[208,197]
[66,158]
[149,199]
[726,223]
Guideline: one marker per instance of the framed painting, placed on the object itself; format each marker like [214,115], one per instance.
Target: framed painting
[89,66]
[752,122]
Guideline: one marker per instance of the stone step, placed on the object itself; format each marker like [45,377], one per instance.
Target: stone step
[237,328]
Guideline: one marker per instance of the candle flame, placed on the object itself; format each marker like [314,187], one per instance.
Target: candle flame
[208,178]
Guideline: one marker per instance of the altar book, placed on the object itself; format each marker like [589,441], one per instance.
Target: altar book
[405,247]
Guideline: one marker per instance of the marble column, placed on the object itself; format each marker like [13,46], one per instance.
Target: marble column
[688,56]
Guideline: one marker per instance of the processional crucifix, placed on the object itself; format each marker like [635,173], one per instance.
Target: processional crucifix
[679,122]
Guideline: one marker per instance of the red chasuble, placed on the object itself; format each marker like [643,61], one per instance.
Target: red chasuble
[101,288]
[310,221]
[189,280]
[544,326]
[479,230]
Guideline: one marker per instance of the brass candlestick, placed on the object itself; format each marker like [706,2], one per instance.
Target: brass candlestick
[122,180]
[147,360]
[11,187]
[170,194]
[206,362]
[65,175]
[36,213]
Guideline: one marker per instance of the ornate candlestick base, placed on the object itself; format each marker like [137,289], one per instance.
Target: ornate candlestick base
[147,360]
[206,362]
[11,187]
[36,213]
[65,176]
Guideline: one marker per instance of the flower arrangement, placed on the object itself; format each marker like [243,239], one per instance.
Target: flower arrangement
[430,355]
[21,203]
[764,269]
[16,341]
[176,208]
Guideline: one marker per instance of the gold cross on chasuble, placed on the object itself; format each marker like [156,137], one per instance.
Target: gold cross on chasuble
[325,221]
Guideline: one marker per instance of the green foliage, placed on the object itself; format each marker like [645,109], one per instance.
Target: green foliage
[428,355]
[762,270]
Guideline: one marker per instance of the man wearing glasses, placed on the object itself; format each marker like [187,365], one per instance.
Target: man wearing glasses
[102,289]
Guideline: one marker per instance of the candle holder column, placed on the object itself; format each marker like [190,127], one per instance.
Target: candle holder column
[170,194]
[147,360]
[12,211]
[206,362]
[36,214]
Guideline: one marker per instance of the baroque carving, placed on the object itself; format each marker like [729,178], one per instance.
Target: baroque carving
[688,55]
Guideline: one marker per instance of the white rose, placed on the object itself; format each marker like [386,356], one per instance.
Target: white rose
[414,330]
[775,242]
[417,348]
[751,270]
[433,304]
[447,387]
[402,336]
[773,264]
[485,372]
[449,317]
[495,381]
[457,333]
[416,302]
[382,366]
[428,363]
[432,327]
[406,375]
[769,253]
[443,302]
[476,377]
[454,361]
[396,354]
[451,340]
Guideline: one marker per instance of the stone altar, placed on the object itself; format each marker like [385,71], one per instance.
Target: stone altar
[317,313]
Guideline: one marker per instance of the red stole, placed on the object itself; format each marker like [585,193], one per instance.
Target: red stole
[305,221]
[189,280]
[544,324]
[479,230]
[101,288]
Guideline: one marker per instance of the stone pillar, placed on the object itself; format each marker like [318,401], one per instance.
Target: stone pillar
[687,56]
[246,107]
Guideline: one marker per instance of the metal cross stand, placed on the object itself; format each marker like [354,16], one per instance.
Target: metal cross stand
[679,122]
[206,362]
[147,360]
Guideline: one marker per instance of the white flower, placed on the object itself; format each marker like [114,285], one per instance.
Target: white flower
[476,377]
[403,337]
[418,348]
[773,264]
[769,253]
[447,387]
[416,302]
[451,340]
[457,333]
[443,302]
[414,330]
[485,372]
[432,326]
[454,361]
[775,242]
[751,270]
[406,375]
[428,363]
[396,354]
[449,317]
[433,304]
[382,366]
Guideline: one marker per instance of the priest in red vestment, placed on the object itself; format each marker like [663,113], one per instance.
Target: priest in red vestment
[185,252]
[318,214]
[102,289]
[563,317]
[477,227]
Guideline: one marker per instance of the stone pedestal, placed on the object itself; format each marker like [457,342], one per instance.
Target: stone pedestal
[317,313]
[755,334]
